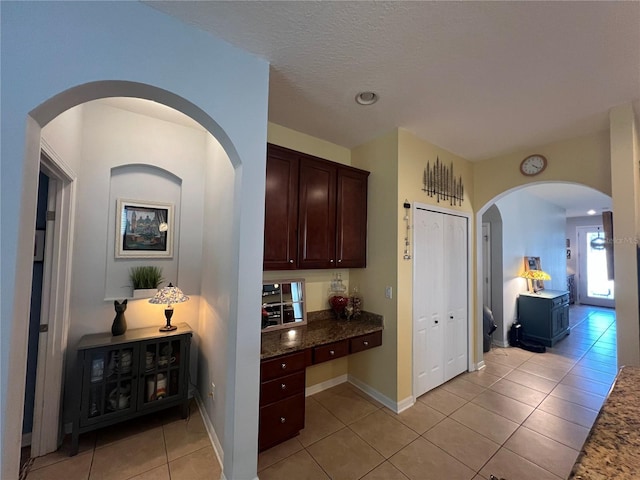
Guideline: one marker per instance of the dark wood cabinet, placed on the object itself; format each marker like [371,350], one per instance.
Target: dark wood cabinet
[281,210]
[544,316]
[315,213]
[123,377]
[282,384]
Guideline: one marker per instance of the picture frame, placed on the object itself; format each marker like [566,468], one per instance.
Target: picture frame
[144,229]
[533,263]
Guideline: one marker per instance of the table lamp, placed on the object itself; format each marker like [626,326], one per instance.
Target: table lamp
[168,295]
[534,276]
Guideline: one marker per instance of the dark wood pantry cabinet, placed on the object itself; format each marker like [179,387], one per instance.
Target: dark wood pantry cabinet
[315,212]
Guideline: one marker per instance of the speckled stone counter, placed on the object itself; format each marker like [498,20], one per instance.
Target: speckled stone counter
[321,328]
[612,450]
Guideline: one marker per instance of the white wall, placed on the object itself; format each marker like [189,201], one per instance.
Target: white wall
[534,228]
[52,55]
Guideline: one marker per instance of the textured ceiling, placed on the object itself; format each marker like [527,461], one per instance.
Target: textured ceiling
[479,79]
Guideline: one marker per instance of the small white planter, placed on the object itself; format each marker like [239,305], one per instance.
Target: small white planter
[144,292]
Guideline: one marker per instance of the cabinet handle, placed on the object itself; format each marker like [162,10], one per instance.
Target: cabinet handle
[436,321]
[284,366]
[282,419]
[366,344]
[331,352]
[291,261]
[331,261]
[340,261]
[283,386]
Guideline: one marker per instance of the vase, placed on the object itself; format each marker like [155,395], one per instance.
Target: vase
[144,292]
[119,325]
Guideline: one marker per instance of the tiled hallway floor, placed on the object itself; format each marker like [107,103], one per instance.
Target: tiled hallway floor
[524,416]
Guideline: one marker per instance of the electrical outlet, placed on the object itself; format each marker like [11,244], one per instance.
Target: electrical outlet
[212,390]
[388,292]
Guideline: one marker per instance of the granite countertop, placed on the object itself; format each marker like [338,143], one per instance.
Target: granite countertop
[321,328]
[611,449]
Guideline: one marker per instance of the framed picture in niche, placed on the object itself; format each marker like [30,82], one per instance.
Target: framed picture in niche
[144,229]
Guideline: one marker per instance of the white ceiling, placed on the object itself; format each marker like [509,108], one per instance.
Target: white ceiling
[479,78]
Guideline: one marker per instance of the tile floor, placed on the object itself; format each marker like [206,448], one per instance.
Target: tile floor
[524,416]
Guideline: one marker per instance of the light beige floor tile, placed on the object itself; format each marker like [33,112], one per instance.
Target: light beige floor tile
[504,406]
[442,400]
[518,392]
[300,466]
[419,417]
[347,405]
[279,452]
[385,471]
[497,369]
[586,384]
[463,389]
[585,372]
[127,429]
[129,457]
[344,455]
[462,443]
[318,423]
[530,380]
[513,357]
[543,451]
[575,395]
[87,443]
[597,357]
[481,377]
[185,436]
[422,460]
[569,411]
[158,473]
[484,422]
[383,432]
[506,464]
[199,465]
[554,360]
[550,373]
[73,468]
[568,433]
[601,367]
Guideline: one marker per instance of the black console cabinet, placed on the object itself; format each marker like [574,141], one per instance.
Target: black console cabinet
[544,316]
[119,378]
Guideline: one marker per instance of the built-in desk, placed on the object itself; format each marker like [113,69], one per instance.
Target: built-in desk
[611,449]
[285,355]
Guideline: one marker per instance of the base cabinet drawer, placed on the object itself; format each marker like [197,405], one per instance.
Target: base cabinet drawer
[280,421]
[365,342]
[324,353]
[280,388]
[284,365]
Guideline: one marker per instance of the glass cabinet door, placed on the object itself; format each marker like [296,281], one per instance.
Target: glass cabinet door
[161,362]
[110,384]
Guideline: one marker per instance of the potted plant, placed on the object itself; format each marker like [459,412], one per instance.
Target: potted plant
[145,281]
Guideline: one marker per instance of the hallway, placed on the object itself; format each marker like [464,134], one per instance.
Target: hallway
[524,416]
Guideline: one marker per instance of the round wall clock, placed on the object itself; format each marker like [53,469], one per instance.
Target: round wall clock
[533,165]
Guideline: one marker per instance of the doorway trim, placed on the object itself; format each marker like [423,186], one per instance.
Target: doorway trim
[56,298]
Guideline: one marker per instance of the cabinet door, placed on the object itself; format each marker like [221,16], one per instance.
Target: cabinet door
[317,214]
[109,383]
[351,219]
[281,210]
[163,364]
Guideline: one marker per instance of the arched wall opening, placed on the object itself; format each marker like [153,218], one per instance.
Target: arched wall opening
[212,315]
[527,226]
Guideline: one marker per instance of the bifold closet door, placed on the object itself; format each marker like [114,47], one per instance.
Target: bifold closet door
[439,299]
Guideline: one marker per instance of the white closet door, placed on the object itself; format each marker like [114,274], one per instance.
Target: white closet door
[455,291]
[428,304]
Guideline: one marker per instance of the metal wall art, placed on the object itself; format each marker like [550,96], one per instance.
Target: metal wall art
[440,182]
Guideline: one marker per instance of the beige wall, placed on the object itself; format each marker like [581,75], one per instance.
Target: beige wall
[626,213]
[378,367]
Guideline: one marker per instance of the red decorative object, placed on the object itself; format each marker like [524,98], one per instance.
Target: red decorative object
[338,303]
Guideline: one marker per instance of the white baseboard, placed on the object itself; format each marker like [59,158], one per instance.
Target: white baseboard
[319,387]
[396,407]
[215,442]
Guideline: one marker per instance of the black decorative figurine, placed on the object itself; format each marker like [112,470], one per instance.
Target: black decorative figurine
[119,323]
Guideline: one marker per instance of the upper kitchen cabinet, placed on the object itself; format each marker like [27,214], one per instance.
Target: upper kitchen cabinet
[330,200]
[281,209]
